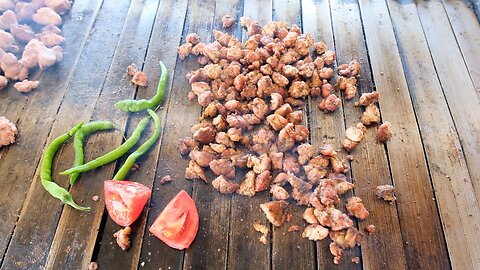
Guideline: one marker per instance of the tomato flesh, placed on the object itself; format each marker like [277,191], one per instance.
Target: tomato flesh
[125,200]
[177,225]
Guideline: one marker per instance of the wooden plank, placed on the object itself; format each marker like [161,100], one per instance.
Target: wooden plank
[370,166]
[37,119]
[181,115]
[289,249]
[419,220]
[452,73]
[466,28]
[245,250]
[168,29]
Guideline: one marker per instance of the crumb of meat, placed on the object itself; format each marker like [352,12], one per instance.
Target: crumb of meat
[279,193]
[347,239]
[223,167]
[293,228]
[386,192]
[123,237]
[351,69]
[315,232]
[192,38]
[356,260]
[202,158]
[140,79]
[337,252]
[330,103]
[194,171]
[224,186]
[264,230]
[166,179]
[371,115]
[95,198]
[92,266]
[8,130]
[26,85]
[384,132]
[370,229]
[305,153]
[281,179]
[262,181]
[309,217]
[247,187]
[186,145]
[368,98]
[275,212]
[132,69]
[356,208]
[227,21]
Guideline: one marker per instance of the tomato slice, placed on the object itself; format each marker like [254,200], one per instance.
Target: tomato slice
[177,225]
[125,200]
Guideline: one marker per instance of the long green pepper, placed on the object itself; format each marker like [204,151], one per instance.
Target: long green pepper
[123,171]
[132,105]
[79,139]
[46,170]
[114,154]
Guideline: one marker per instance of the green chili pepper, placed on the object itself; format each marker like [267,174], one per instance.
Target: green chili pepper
[46,170]
[123,171]
[131,105]
[114,154]
[79,138]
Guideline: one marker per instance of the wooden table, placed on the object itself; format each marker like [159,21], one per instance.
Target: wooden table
[422,57]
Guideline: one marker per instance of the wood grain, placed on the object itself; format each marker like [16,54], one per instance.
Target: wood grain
[419,220]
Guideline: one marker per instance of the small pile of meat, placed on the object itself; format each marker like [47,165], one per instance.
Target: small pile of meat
[253,95]
[8,130]
[29,37]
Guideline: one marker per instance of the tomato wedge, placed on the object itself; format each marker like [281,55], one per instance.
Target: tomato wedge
[177,225]
[125,200]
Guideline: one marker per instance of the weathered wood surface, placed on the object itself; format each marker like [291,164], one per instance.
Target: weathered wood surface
[430,96]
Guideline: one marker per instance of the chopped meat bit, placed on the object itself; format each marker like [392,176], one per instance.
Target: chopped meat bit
[370,229]
[276,101]
[339,166]
[329,57]
[342,186]
[259,107]
[349,145]
[305,152]
[187,145]
[123,237]
[351,69]
[371,115]
[219,148]
[224,186]
[184,50]
[281,179]
[336,251]
[205,134]
[263,230]
[330,103]
[347,239]
[276,160]
[202,158]
[223,167]
[227,21]
[26,85]
[356,208]
[386,192]
[166,179]
[284,110]
[93,266]
[263,180]
[327,150]
[333,218]
[355,133]
[95,198]
[277,121]
[368,98]
[8,130]
[356,260]
[320,47]
[293,228]
[194,171]
[247,187]
[295,117]
[279,193]
[384,132]
[291,165]
[309,217]
[140,79]
[315,232]
[253,27]
[275,212]
[192,38]
[259,164]
[3,81]
[299,89]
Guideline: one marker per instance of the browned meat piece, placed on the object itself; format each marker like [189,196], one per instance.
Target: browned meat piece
[247,187]
[371,115]
[276,160]
[123,237]
[3,81]
[293,228]
[166,179]
[350,91]
[309,217]
[8,130]
[299,89]
[356,208]
[347,239]
[26,86]
[227,21]
[253,27]
[342,186]
[279,193]
[299,133]
[277,121]
[315,232]
[24,33]
[213,71]
[290,71]
[356,133]
[93,266]
[326,89]
[319,63]
[276,101]
[284,110]
[219,148]
[290,39]
[194,171]
[263,230]
[320,162]
[140,79]
[192,38]
[234,134]
[327,150]
[223,167]
[224,138]
[329,57]
[368,98]
[184,50]
[386,192]
[337,252]
[351,69]
[306,70]
[356,260]
[205,134]
[349,145]
[343,83]
[320,47]
[384,132]
[259,164]
[259,107]
[298,183]
[330,103]
[224,186]
[314,174]
[370,229]
[333,218]
[290,164]
[275,212]
[281,179]
[339,166]
[202,158]
[305,152]
[239,160]
[279,79]
[186,145]
[327,193]
[263,180]
[210,111]
[295,117]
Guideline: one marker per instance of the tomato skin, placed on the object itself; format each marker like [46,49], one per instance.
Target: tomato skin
[180,211]
[125,200]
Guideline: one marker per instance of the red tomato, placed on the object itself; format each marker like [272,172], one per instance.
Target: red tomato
[177,225]
[125,200]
